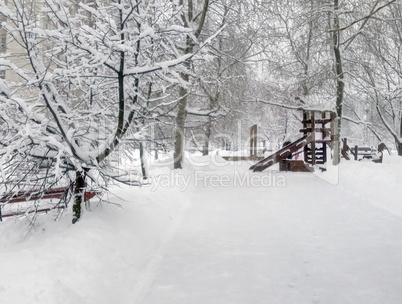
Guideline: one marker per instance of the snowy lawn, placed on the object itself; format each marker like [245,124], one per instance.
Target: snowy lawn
[217,233]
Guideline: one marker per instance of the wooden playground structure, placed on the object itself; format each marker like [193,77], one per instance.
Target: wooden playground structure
[319,133]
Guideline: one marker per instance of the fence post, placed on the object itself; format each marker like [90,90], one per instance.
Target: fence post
[253,141]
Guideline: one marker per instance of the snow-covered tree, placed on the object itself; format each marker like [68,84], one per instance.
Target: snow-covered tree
[193,16]
[376,73]
[84,73]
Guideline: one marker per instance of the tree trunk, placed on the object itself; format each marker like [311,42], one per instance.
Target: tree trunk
[79,189]
[180,123]
[182,112]
[213,103]
[208,130]
[398,143]
[142,158]
[304,84]
[340,85]
[399,147]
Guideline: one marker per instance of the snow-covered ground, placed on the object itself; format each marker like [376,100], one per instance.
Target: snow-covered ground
[217,233]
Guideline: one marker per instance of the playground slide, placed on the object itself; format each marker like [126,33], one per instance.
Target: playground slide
[281,154]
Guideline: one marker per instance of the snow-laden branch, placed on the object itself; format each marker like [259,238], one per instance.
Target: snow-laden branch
[369,125]
[370,15]
[287,106]
[390,129]
[210,113]
[136,71]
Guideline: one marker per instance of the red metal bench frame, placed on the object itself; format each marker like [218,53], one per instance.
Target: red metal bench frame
[32,195]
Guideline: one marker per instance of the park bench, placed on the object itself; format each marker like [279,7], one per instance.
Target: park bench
[35,195]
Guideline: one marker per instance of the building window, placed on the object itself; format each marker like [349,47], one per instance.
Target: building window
[3,43]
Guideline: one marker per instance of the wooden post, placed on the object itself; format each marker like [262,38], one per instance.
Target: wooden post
[356,151]
[305,127]
[345,149]
[324,134]
[313,144]
[253,141]
[332,130]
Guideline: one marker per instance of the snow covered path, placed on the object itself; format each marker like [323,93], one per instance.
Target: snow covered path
[303,243]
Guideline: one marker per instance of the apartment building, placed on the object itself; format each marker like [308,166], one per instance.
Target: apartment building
[3,43]
[11,50]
